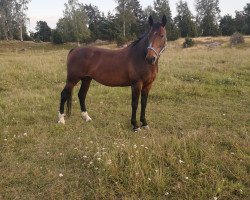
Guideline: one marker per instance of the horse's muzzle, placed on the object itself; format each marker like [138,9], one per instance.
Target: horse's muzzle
[151,60]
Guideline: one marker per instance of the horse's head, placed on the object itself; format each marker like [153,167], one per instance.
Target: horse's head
[157,40]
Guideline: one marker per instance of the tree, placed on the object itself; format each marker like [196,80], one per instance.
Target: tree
[227,25]
[21,6]
[6,17]
[73,26]
[137,27]
[247,19]
[184,20]
[239,21]
[56,37]
[242,20]
[208,13]
[43,31]
[95,19]
[161,7]
[131,17]
[13,19]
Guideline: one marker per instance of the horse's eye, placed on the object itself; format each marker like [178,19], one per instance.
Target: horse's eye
[162,36]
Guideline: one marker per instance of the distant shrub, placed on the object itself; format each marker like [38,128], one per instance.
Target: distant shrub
[237,38]
[120,41]
[56,37]
[189,42]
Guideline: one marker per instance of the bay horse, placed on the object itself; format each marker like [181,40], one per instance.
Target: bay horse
[135,66]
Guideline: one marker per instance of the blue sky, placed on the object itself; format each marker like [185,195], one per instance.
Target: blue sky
[51,10]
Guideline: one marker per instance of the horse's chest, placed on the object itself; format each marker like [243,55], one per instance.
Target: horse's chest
[151,75]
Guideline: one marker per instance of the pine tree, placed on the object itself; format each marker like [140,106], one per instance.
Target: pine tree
[161,7]
[95,19]
[43,31]
[184,20]
[208,12]
[227,25]
[131,17]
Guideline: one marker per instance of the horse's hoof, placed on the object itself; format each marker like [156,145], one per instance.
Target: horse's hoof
[136,129]
[145,127]
[88,119]
[61,119]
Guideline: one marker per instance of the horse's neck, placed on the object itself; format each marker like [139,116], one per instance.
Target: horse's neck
[140,49]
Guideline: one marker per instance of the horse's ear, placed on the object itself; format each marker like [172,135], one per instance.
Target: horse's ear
[150,20]
[164,21]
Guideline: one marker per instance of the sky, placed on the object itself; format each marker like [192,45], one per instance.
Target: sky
[51,10]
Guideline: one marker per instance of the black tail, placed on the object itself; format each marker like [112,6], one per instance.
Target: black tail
[69,102]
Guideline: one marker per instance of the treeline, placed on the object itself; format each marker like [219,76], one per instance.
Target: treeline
[85,23]
[13,19]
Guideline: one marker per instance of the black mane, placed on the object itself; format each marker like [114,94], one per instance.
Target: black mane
[134,43]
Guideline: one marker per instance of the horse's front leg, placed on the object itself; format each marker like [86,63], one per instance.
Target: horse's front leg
[136,90]
[144,99]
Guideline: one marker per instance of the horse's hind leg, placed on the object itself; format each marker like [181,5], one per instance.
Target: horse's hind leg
[65,96]
[82,96]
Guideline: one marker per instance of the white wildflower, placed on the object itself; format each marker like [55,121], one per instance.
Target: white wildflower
[85,156]
[186,178]
[135,146]
[60,175]
[25,134]
[99,159]
[149,179]
[181,161]
[166,193]
[5,139]
[109,162]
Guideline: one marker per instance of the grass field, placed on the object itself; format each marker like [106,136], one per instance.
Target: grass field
[197,147]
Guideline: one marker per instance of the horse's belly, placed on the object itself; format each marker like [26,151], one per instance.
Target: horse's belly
[111,77]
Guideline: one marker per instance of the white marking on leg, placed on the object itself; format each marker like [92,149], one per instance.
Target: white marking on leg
[86,117]
[61,119]
[145,127]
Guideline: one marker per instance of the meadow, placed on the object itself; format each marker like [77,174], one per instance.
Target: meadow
[197,147]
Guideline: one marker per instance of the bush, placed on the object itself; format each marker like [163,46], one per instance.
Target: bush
[56,37]
[237,38]
[189,42]
[120,41]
